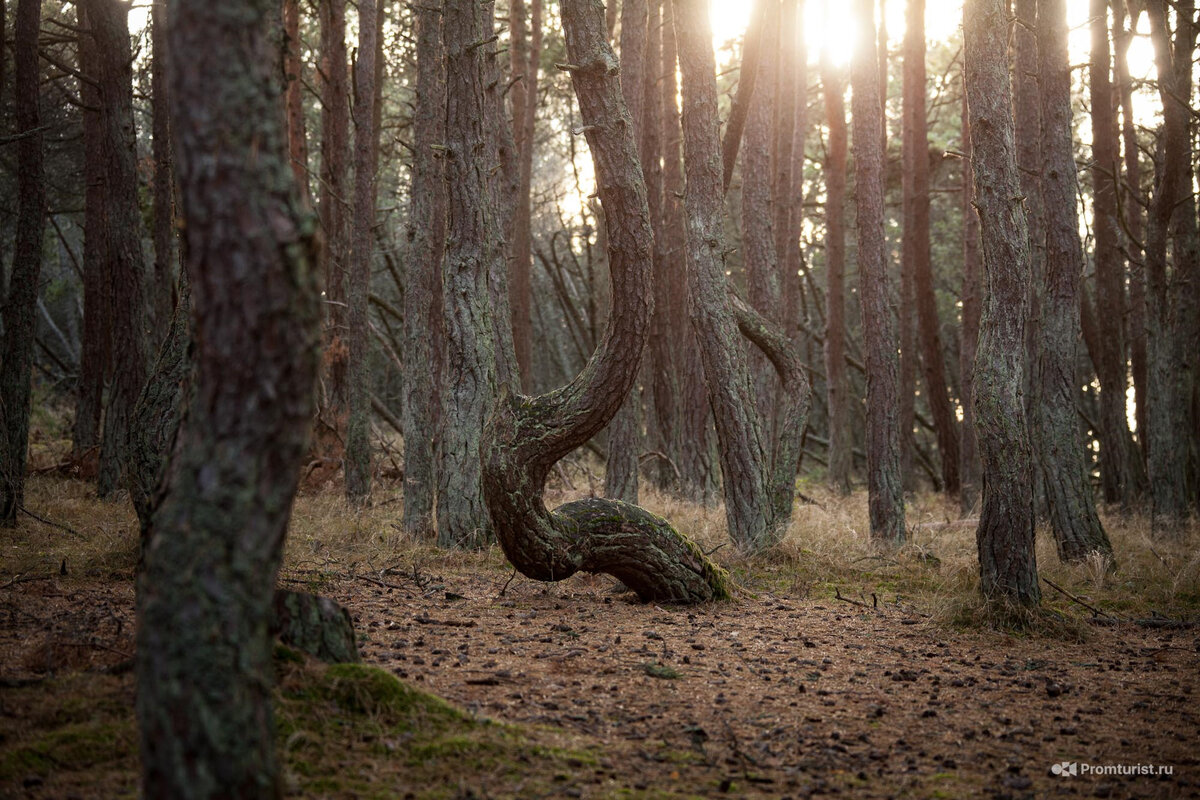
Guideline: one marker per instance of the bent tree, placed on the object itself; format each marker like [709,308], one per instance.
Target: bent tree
[1007,564]
[526,436]
[204,598]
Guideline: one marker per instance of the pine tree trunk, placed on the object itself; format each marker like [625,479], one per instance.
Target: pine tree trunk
[785,200]
[204,599]
[474,250]
[1005,537]
[95,352]
[747,507]
[127,265]
[358,425]
[841,459]
[971,308]
[1167,296]
[1059,445]
[293,68]
[884,485]
[19,312]
[527,436]
[333,208]
[423,277]
[915,178]
[1116,458]
[165,273]
[523,95]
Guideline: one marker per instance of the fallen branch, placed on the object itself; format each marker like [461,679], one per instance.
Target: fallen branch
[1088,606]
[837,595]
[52,523]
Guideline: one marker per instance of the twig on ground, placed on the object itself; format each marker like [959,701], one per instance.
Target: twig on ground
[52,523]
[1088,606]
[837,595]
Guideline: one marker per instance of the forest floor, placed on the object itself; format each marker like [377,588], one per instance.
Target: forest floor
[838,670]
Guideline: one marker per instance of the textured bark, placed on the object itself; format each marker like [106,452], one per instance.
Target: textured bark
[1167,296]
[158,413]
[474,249]
[204,599]
[423,277]
[884,487]
[785,200]
[1005,536]
[19,312]
[1059,445]
[841,459]
[526,53]
[335,223]
[624,440]
[314,625]
[358,424]
[1027,110]
[915,180]
[97,305]
[527,436]
[293,75]
[971,302]
[795,300]
[1116,460]
[127,265]
[747,507]
[164,278]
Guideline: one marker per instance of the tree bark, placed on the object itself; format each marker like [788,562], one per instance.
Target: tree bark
[527,436]
[127,266]
[293,69]
[841,459]
[358,425]
[785,200]
[624,439]
[1116,460]
[526,53]
[19,312]
[165,273]
[884,485]
[971,308]
[94,358]
[204,599]
[1005,536]
[915,179]
[423,277]
[1077,529]
[747,509]
[474,251]
[752,57]
[333,209]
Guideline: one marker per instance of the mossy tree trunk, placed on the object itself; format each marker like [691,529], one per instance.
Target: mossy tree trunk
[884,480]
[526,436]
[423,276]
[127,266]
[1005,536]
[1059,445]
[20,309]
[204,598]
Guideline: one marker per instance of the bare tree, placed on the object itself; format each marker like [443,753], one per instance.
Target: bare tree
[884,487]
[203,652]
[1005,537]
[20,308]
[971,302]
[293,67]
[838,397]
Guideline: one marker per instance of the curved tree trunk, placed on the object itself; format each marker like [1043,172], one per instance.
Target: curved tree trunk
[747,507]
[423,276]
[884,481]
[1005,537]
[527,436]
[204,599]
[1077,528]
[20,308]
[841,459]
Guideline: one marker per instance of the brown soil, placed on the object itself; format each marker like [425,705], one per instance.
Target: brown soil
[774,695]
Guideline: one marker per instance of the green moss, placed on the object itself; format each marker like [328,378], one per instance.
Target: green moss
[661,671]
[77,746]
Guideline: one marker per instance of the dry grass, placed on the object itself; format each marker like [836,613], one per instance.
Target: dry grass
[826,550]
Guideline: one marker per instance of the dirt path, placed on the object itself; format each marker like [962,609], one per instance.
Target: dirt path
[774,696]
